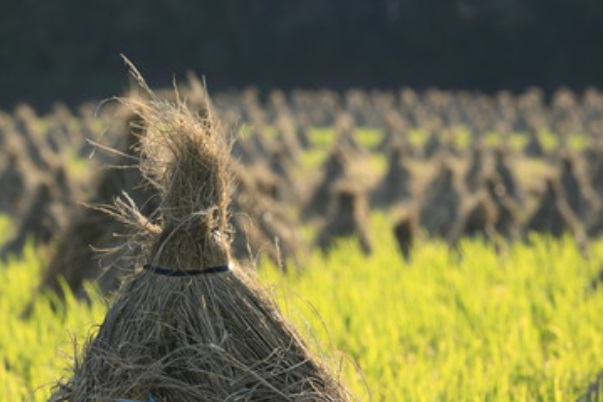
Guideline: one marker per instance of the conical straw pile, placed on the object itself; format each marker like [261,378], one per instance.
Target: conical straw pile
[190,327]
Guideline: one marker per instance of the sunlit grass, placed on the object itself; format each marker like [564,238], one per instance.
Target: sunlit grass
[523,326]
[313,158]
[518,141]
[549,140]
[462,138]
[369,137]
[417,137]
[493,139]
[578,142]
[6,228]
[445,326]
[77,166]
[322,137]
[35,350]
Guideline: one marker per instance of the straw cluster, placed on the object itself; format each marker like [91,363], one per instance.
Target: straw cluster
[208,337]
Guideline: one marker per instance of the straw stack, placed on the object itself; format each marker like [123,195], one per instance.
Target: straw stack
[190,326]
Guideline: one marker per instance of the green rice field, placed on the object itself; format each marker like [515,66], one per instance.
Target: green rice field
[473,324]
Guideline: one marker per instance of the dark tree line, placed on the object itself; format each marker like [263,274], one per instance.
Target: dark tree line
[68,49]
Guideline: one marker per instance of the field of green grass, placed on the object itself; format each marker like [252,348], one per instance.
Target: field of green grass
[467,325]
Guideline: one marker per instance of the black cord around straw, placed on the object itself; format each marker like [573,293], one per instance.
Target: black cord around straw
[178,273]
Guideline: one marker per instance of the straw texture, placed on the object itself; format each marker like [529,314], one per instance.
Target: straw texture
[215,337]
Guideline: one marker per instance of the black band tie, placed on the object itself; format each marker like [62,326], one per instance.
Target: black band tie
[177,273]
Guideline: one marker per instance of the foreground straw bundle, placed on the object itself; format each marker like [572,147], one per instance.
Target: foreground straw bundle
[177,332]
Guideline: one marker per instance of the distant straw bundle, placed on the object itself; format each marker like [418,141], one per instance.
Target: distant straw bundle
[75,257]
[348,217]
[178,335]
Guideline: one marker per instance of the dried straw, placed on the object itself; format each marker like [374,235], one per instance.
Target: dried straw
[215,337]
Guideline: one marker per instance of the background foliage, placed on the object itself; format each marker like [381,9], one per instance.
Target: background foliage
[68,49]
